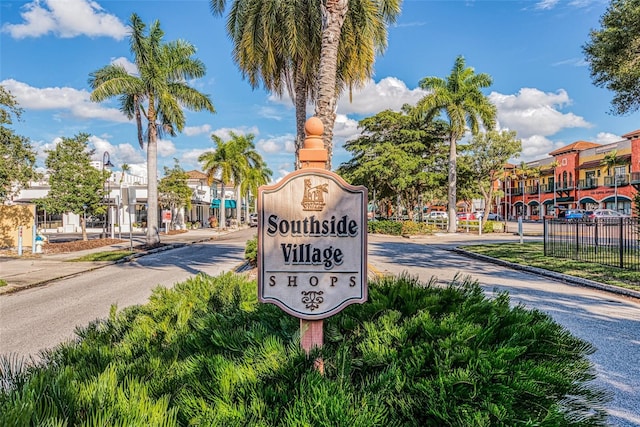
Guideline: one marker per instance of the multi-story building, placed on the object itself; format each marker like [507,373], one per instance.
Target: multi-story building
[581,175]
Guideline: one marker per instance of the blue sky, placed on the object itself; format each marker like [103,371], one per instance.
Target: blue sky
[532,50]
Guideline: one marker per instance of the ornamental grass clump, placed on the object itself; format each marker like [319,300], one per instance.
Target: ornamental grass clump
[207,353]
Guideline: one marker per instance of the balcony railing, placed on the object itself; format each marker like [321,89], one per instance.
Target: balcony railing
[565,185]
[516,191]
[532,189]
[585,184]
[547,188]
[619,180]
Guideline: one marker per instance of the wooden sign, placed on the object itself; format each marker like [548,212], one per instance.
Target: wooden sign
[312,244]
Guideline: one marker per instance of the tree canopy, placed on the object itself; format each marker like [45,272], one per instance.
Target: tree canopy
[17,156]
[173,191]
[486,156]
[613,54]
[75,185]
[397,156]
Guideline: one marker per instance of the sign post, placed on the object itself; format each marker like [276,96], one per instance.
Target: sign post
[312,242]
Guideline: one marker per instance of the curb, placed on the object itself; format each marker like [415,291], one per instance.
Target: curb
[560,277]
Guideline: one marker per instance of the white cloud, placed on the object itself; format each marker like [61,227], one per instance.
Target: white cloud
[76,102]
[546,4]
[607,138]
[277,144]
[129,66]
[166,148]
[537,147]
[66,19]
[389,93]
[197,130]
[533,112]
[189,159]
[225,133]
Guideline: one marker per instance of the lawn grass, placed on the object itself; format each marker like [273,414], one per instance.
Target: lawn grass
[103,256]
[532,254]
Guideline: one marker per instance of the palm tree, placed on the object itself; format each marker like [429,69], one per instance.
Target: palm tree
[281,44]
[461,100]
[256,176]
[610,161]
[157,93]
[228,162]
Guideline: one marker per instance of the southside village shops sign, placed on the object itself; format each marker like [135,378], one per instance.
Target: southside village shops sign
[312,240]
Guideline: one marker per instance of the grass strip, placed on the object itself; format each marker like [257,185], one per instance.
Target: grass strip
[103,256]
[532,254]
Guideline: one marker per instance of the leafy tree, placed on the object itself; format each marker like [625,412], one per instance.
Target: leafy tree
[17,156]
[614,56]
[396,156]
[282,45]
[460,98]
[76,186]
[173,190]
[158,93]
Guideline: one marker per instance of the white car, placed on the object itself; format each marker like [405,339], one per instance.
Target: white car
[253,220]
[606,214]
[437,215]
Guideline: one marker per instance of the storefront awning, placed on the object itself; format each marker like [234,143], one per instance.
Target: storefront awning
[588,200]
[548,202]
[612,199]
[229,204]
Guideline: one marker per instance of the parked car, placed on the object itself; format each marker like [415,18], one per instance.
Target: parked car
[437,215]
[573,214]
[606,214]
[495,217]
[253,220]
[479,214]
[466,216]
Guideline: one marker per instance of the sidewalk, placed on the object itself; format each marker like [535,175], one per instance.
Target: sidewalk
[33,270]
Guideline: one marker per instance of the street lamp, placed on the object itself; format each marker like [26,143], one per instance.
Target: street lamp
[106,163]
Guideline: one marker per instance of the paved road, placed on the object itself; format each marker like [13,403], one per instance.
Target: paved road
[42,317]
[610,322]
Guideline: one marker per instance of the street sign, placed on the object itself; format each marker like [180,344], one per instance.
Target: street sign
[312,240]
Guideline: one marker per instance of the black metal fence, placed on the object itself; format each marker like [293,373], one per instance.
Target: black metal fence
[614,242]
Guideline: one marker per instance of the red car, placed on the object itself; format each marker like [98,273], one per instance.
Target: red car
[466,216]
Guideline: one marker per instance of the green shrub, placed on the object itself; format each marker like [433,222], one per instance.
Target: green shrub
[251,251]
[393,228]
[207,353]
[412,228]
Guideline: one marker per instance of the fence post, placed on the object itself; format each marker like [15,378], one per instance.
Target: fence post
[577,242]
[620,241]
[545,236]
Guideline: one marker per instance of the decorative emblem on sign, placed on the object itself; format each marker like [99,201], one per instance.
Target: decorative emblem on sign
[312,299]
[313,199]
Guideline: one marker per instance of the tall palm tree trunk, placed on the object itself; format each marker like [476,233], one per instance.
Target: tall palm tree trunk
[153,236]
[301,114]
[451,192]
[223,210]
[333,15]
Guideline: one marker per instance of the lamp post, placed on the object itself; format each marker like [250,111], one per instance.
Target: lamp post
[106,163]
